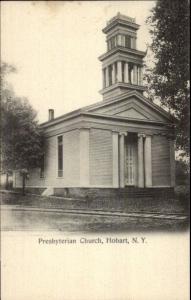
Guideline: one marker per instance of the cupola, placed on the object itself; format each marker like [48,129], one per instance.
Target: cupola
[122,63]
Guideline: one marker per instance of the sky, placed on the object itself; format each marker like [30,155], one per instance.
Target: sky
[55,47]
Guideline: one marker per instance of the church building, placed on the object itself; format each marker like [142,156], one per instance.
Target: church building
[124,141]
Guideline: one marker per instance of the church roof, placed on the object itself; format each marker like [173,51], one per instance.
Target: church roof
[128,106]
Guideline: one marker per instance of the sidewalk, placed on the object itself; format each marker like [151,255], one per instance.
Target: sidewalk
[97,212]
[66,205]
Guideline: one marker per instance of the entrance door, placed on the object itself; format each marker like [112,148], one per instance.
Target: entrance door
[131,164]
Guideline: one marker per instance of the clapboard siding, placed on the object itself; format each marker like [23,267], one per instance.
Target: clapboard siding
[160,161]
[71,163]
[51,161]
[100,157]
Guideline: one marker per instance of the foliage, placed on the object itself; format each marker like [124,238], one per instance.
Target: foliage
[168,79]
[21,138]
[182,172]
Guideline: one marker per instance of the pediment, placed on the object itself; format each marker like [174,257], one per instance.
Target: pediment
[131,106]
[132,113]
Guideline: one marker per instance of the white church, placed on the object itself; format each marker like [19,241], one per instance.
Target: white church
[122,142]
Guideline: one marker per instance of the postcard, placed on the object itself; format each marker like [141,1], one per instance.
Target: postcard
[95,157]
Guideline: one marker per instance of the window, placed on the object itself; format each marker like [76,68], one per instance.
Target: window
[130,73]
[127,41]
[115,41]
[42,166]
[119,40]
[104,78]
[109,44]
[133,43]
[60,156]
[110,74]
[115,71]
[112,43]
[123,40]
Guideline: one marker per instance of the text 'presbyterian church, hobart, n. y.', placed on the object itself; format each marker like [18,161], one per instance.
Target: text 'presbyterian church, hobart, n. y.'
[122,143]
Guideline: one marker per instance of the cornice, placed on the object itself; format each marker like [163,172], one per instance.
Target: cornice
[122,85]
[120,22]
[122,50]
[122,119]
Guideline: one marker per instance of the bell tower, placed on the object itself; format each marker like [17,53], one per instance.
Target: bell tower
[122,63]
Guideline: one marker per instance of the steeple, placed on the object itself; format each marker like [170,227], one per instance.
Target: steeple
[122,63]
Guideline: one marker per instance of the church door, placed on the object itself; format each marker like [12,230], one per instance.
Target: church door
[131,164]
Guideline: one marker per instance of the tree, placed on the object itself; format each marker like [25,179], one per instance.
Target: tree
[168,80]
[182,172]
[21,137]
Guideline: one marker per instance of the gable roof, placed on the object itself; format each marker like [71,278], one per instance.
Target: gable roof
[128,106]
[131,104]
